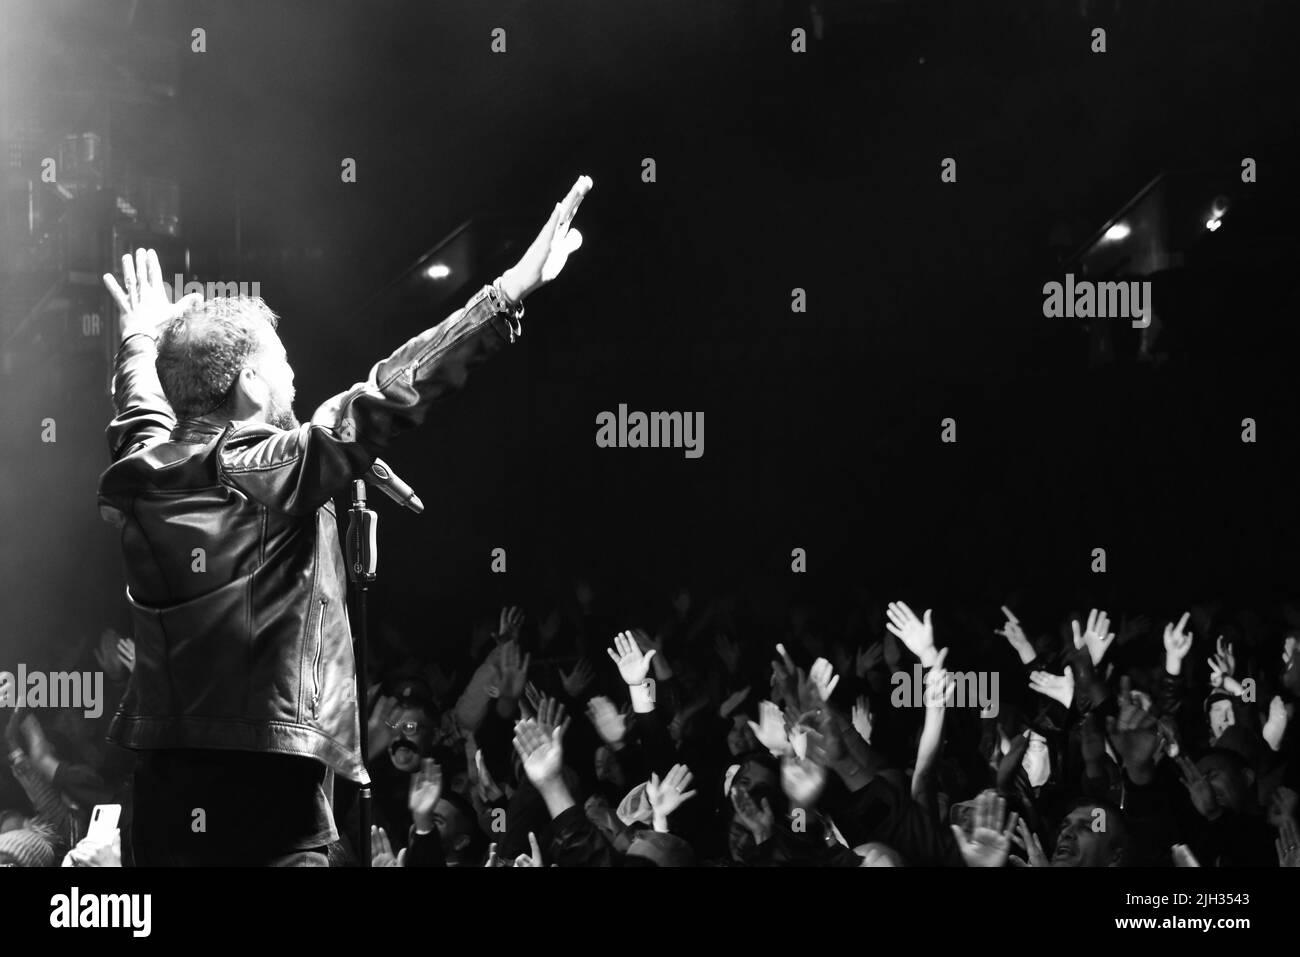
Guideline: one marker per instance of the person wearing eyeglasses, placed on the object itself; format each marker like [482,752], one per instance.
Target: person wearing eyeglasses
[408,727]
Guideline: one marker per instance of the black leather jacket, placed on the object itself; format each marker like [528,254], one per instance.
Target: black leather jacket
[235,576]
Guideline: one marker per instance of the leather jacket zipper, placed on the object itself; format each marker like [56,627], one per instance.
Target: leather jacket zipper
[315,666]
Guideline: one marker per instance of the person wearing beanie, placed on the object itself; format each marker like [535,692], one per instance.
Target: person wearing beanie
[43,839]
[26,847]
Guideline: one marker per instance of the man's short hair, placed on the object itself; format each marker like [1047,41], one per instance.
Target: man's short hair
[1116,828]
[476,848]
[201,352]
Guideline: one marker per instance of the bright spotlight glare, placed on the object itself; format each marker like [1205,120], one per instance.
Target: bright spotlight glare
[1213,224]
[1117,232]
[438,271]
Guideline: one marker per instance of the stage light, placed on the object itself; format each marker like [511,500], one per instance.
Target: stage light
[438,271]
[1213,224]
[1117,232]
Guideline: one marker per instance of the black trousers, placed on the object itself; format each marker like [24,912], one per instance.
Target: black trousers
[207,808]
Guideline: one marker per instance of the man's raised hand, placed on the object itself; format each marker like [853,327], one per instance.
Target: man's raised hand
[1275,727]
[381,850]
[1097,636]
[758,819]
[1178,641]
[824,679]
[510,623]
[770,729]
[126,653]
[578,680]
[1015,636]
[144,302]
[868,658]
[533,859]
[632,664]
[485,788]
[1058,687]
[1198,789]
[513,669]
[916,633]
[551,715]
[426,789]
[544,259]
[542,754]
[1288,844]
[1035,856]
[669,794]
[609,722]
[989,841]
[862,718]
[1223,652]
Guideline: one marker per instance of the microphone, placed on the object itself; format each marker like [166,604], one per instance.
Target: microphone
[386,480]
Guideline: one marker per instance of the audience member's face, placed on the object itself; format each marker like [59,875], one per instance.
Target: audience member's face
[753,774]
[460,784]
[682,602]
[750,774]
[453,827]
[413,735]
[739,840]
[1225,780]
[740,739]
[1084,840]
[607,768]
[584,593]
[1222,717]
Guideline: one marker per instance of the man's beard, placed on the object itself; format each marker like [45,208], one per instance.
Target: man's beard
[282,417]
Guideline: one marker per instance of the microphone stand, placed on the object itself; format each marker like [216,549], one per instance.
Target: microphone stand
[363,560]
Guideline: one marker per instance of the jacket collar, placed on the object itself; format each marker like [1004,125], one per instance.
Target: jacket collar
[196,430]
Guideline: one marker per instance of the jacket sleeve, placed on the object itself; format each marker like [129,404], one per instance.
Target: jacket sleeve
[495,737]
[298,471]
[656,742]
[141,414]
[576,842]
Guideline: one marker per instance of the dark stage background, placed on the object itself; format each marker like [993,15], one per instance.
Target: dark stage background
[775,171]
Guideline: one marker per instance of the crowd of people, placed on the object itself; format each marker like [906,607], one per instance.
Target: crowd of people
[573,739]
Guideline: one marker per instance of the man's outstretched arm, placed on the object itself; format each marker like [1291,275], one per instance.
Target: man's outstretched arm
[298,471]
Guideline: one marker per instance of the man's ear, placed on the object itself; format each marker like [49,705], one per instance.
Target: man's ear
[249,393]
